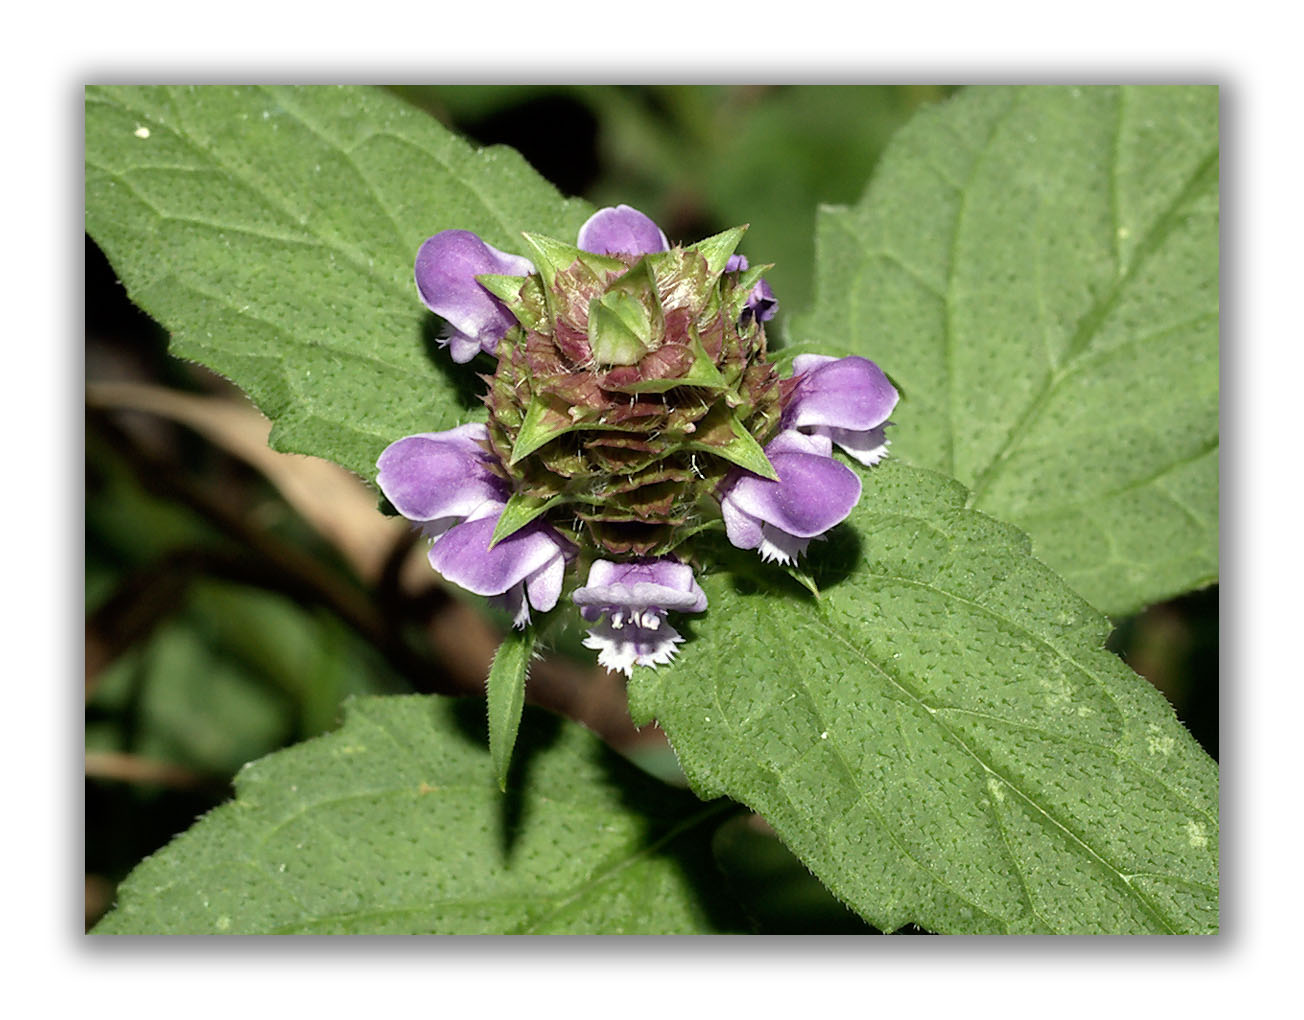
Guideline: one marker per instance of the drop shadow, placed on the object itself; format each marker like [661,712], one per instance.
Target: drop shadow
[463,380]
[828,561]
[833,560]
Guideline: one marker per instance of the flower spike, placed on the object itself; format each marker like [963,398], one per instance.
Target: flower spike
[632,400]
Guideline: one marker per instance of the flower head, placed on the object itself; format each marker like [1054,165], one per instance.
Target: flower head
[632,404]
[846,399]
[628,602]
[779,518]
[634,384]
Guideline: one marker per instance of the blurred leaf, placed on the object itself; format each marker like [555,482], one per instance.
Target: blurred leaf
[793,149]
[941,737]
[232,674]
[1037,268]
[329,498]
[764,155]
[273,232]
[394,824]
[127,527]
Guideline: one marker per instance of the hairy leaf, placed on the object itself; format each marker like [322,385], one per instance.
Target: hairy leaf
[1037,269]
[273,232]
[395,824]
[940,736]
[505,693]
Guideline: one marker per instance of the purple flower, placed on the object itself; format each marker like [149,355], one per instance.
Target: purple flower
[761,302]
[620,230]
[437,479]
[447,483]
[447,265]
[529,562]
[628,603]
[814,492]
[846,399]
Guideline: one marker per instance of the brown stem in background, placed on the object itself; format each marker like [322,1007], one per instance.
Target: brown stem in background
[268,563]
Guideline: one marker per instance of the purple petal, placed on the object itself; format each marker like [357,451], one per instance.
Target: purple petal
[663,584]
[620,230]
[761,302]
[463,348]
[743,530]
[843,393]
[868,447]
[462,555]
[437,475]
[544,585]
[446,268]
[799,442]
[813,493]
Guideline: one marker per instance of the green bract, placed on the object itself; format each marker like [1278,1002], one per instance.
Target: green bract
[631,388]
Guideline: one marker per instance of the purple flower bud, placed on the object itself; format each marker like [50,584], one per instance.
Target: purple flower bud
[761,302]
[529,562]
[439,478]
[446,268]
[846,399]
[620,230]
[628,602]
[814,492]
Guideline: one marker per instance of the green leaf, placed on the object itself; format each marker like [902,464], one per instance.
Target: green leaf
[551,257]
[545,419]
[520,510]
[619,329]
[273,232]
[721,433]
[1037,269]
[505,687]
[717,248]
[941,737]
[395,824]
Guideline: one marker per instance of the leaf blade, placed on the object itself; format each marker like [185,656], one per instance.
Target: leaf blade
[1038,269]
[394,824]
[505,687]
[273,232]
[941,736]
